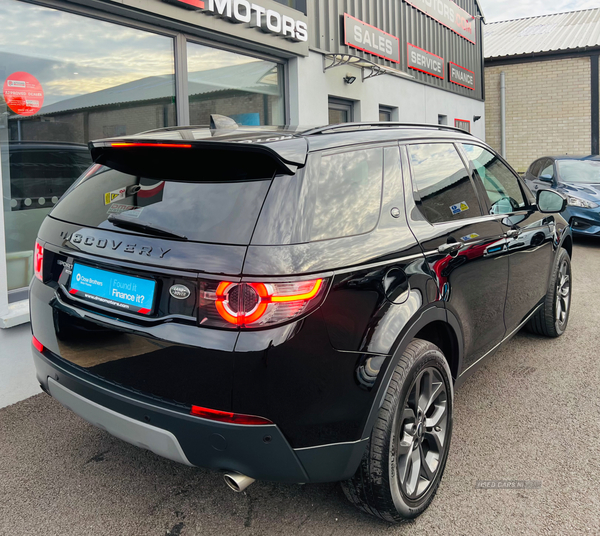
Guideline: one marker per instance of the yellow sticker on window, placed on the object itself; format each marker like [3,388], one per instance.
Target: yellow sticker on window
[115,195]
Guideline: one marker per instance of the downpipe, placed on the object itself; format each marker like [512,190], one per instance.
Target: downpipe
[237,482]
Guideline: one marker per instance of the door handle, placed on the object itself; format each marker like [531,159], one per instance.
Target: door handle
[513,233]
[450,248]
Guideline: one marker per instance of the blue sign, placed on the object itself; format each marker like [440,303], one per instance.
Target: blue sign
[118,291]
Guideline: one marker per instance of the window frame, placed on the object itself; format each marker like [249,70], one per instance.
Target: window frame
[527,195]
[336,103]
[387,110]
[466,164]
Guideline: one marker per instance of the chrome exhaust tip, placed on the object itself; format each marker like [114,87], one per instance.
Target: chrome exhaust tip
[237,482]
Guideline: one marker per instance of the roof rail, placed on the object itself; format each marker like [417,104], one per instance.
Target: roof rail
[384,124]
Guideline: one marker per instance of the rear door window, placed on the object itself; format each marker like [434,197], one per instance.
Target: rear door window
[217,212]
[445,191]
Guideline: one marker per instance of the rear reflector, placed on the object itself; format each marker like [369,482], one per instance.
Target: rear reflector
[37,344]
[226,416]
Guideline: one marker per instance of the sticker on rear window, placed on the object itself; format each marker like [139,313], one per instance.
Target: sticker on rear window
[459,207]
[115,195]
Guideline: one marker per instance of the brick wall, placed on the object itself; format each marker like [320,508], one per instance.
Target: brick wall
[548,106]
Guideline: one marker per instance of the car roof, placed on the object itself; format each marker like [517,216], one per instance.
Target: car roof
[571,157]
[291,144]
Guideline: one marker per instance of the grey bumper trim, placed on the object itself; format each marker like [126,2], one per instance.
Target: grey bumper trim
[159,441]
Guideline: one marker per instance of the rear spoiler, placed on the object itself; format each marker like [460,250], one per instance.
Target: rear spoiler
[194,160]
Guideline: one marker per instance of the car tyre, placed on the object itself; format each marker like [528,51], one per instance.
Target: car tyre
[552,318]
[405,458]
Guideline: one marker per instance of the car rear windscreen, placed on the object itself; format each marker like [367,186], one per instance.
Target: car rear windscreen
[215,212]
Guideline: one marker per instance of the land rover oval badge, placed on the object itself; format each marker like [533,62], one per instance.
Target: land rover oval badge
[180,292]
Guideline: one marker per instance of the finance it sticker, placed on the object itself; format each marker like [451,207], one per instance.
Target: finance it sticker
[472,236]
[459,207]
[115,195]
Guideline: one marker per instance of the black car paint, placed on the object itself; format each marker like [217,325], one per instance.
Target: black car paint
[308,376]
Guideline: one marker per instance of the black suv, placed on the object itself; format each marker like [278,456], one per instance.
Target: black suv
[293,305]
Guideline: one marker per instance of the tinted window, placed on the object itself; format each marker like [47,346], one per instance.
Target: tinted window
[548,169]
[500,184]
[535,168]
[445,190]
[223,212]
[348,194]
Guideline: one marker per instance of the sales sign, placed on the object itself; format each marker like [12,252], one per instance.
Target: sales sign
[363,36]
[461,76]
[23,93]
[424,61]
[449,14]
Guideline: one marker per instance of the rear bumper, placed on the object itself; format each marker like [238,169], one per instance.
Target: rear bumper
[261,452]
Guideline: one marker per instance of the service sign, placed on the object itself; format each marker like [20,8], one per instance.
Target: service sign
[461,76]
[449,14]
[424,61]
[363,36]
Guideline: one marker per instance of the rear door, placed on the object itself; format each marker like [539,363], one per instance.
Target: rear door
[463,245]
[529,232]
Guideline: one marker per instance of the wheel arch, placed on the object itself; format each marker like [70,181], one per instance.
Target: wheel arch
[436,325]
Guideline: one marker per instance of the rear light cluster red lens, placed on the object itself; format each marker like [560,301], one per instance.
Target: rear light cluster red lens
[38,261]
[37,344]
[252,305]
[226,416]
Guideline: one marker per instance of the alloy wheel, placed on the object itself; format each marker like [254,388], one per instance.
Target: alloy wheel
[563,293]
[422,430]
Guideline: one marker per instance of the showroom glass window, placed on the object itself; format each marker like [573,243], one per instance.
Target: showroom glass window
[247,89]
[92,79]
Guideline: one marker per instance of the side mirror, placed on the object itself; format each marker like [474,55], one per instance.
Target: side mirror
[550,202]
[546,178]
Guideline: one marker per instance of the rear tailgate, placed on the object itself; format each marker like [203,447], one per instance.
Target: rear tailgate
[157,347]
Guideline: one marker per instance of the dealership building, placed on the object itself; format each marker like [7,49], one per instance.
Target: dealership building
[78,70]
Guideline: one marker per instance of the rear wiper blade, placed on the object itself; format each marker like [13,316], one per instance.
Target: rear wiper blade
[143,227]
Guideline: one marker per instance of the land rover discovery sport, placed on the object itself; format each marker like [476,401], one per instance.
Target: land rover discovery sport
[293,305]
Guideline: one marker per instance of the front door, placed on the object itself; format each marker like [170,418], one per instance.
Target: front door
[463,245]
[529,233]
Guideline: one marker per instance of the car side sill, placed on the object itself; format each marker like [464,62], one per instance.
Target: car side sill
[501,342]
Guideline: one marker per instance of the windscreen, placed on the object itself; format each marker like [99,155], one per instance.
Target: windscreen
[215,212]
[581,171]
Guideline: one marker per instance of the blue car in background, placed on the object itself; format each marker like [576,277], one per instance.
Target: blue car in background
[576,177]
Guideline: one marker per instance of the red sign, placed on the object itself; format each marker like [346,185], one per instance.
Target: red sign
[23,93]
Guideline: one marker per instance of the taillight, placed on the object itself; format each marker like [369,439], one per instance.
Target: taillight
[227,416]
[38,261]
[253,304]
[37,344]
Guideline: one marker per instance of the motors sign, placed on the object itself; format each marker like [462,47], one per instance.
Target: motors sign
[449,14]
[253,14]
[461,76]
[363,36]
[426,62]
